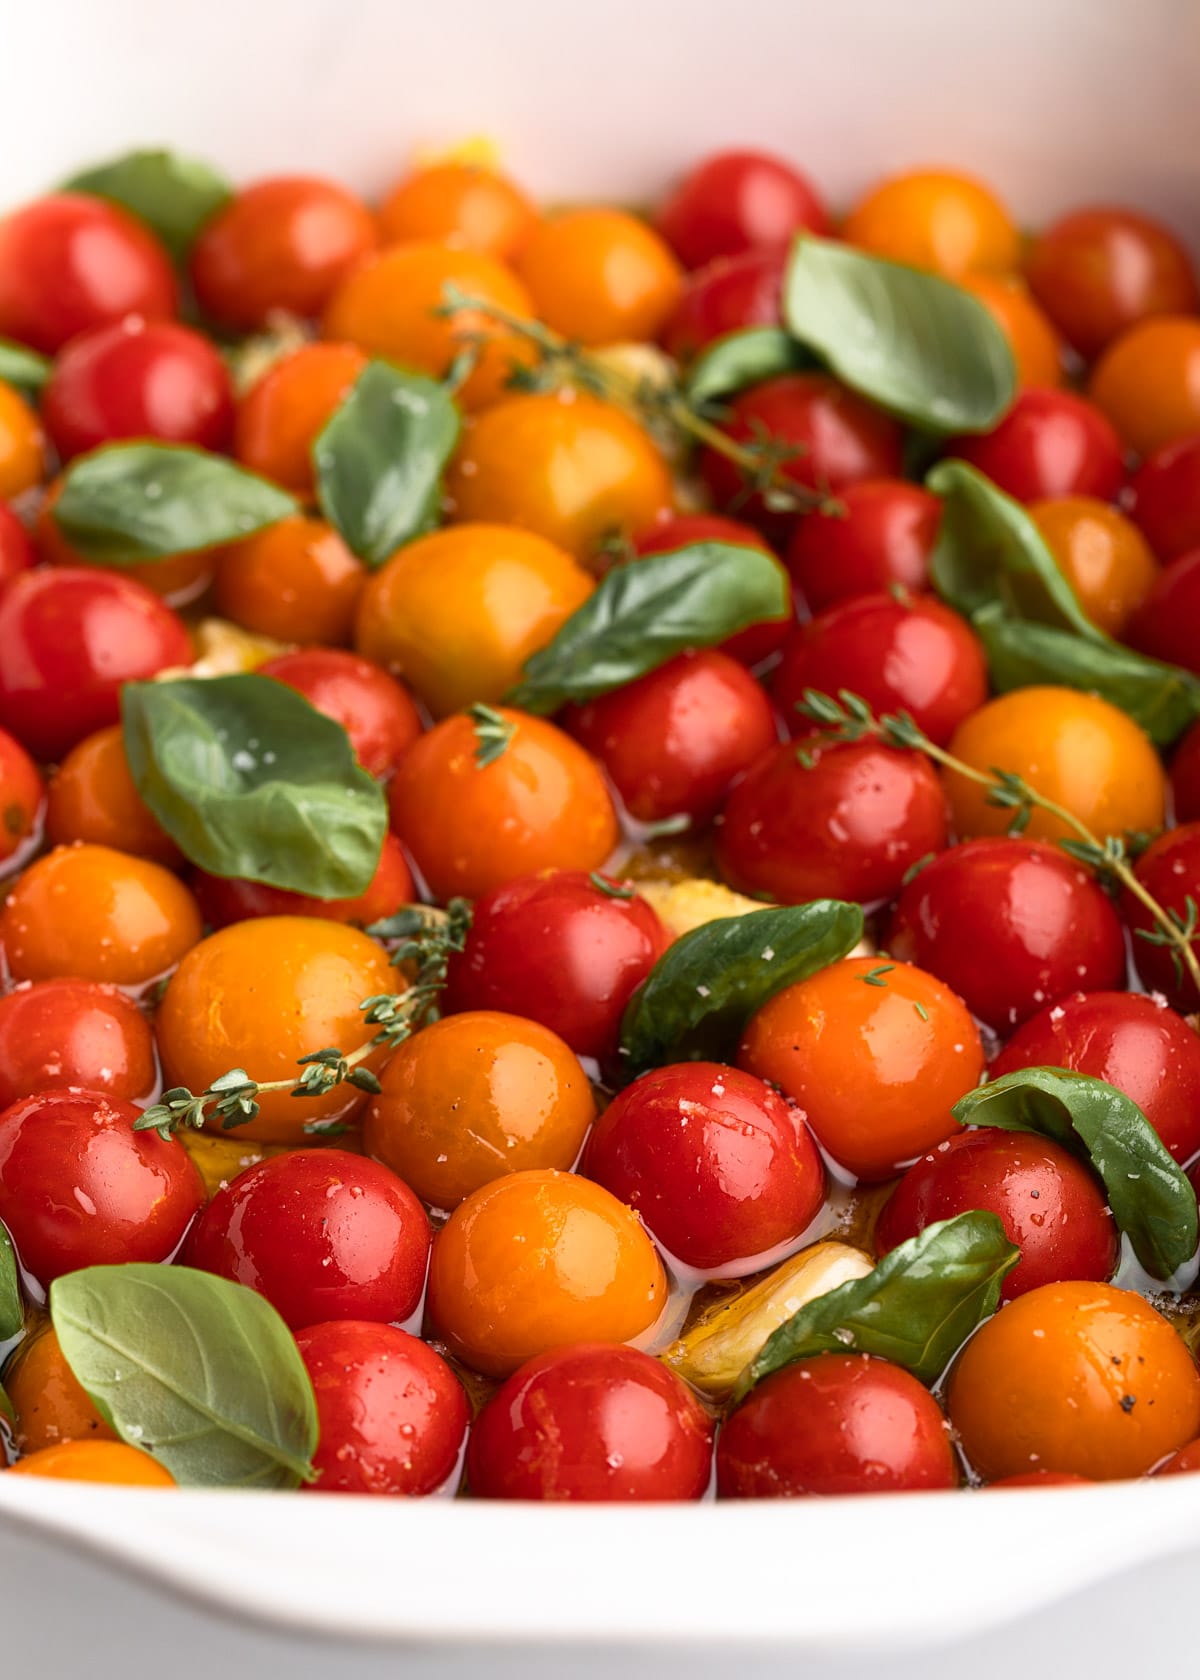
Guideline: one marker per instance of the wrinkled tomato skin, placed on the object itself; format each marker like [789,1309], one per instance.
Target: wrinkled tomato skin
[1164,499]
[77,1033]
[1167,624]
[734,201]
[840,1423]
[375,710]
[79,1187]
[758,641]
[849,827]
[559,950]
[883,534]
[392,1415]
[1049,444]
[1133,1042]
[1170,872]
[900,655]
[322,1234]
[1185,777]
[1051,1207]
[591,1422]
[1011,925]
[725,296]
[223,900]
[16,545]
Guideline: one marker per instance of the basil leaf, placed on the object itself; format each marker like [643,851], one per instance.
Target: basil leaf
[1150,1196]
[12,1310]
[173,195]
[700,993]
[917,345]
[251,781]
[23,368]
[7,1409]
[916,1308]
[380,459]
[739,359]
[131,502]
[644,612]
[197,1370]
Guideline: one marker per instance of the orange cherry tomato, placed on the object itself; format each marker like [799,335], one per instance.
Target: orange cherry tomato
[1102,554]
[22,445]
[570,467]
[22,803]
[475,1097]
[459,204]
[1148,382]
[936,219]
[92,797]
[261,993]
[1081,1378]
[176,579]
[95,1461]
[296,581]
[456,614]
[601,277]
[537,1261]
[280,416]
[1036,346]
[1073,748]
[875,1053]
[50,1404]
[542,804]
[97,914]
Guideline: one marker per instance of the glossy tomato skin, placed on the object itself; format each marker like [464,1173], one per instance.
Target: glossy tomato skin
[223,901]
[561,950]
[884,534]
[16,546]
[56,1033]
[374,709]
[758,641]
[1050,443]
[1170,871]
[79,1187]
[1011,925]
[725,296]
[1185,776]
[721,1169]
[1165,498]
[848,827]
[907,655]
[69,638]
[734,201]
[393,1416]
[69,262]
[1167,624]
[591,1422]
[322,1234]
[1050,1205]
[840,1423]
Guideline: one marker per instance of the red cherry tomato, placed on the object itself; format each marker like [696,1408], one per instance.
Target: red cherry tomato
[16,545]
[1185,776]
[79,1187]
[591,1422]
[223,901]
[759,641]
[322,1234]
[76,1033]
[69,263]
[1164,498]
[1048,1202]
[1167,623]
[909,655]
[559,948]
[850,826]
[393,1416]
[883,535]
[372,707]
[138,379]
[733,201]
[721,1169]
[673,741]
[69,638]
[840,1423]
[1170,872]
[1183,1462]
[726,296]
[1011,925]
[1050,443]
[22,804]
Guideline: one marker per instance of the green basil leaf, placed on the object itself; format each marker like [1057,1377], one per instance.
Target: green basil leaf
[916,1308]
[380,459]
[251,781]
[23,368]
[917,345]
[131,502]
[12,1310]
[1150,1196]
[644,612]
[197,1370]
[7,1409]
[739,359]
[173,195]
[700,993]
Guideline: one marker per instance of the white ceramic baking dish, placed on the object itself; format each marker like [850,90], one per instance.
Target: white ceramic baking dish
[1057,102]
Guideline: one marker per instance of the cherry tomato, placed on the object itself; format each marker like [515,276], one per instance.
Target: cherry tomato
[591,1422]
[1075,1377]
[1185,777]
[725,296]
[323,1234]
[562,948]
[1134,1043]
[1170,872]
[93,798]
[673,742]
[1050,443]
[296,581]
[1102,555]
[759,641]
[1182,1462]
[909,655]
[719,1166]
[282,414]
[600,276]
[875,1053]
[1148,383]
[22,804]
[937,219]
[850,826]
[223,901]
[374,710]
[1050,1205]
[1166,623]
[110,1462]
[840,1423]
[734,201]
[1036,348]
[1011,925]
[47,1397]
[1098,272]
[882,534]
[1041,1478]
[79,1187]
[69,262]
[16,547]
[1164,498]
[460,204]
[393,1416]
[22,445]
[75,1033]
[68,640]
